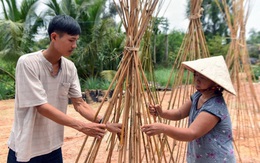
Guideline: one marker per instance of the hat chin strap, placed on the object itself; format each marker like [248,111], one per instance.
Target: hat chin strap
[207,89]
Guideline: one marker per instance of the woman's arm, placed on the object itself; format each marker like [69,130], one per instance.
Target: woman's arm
[172,114]
[201,125]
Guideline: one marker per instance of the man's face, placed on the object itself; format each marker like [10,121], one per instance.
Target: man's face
[64,44]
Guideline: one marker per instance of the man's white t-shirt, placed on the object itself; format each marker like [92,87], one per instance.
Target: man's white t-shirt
[33,134]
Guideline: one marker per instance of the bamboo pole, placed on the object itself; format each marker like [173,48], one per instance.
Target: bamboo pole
[130,107]
[244,108]
[192,47]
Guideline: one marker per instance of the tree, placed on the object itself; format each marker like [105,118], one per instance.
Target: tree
[99,41]
[253,43]
[175,39]
[17,28]
[159,25]
[216,46]
[213,21]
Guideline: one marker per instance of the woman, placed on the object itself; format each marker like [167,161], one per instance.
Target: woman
[210,131]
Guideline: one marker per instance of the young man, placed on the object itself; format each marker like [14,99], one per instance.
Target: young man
[44,81]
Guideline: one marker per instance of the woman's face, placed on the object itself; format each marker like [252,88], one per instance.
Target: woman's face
[201,82]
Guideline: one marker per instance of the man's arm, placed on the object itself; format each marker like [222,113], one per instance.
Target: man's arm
[85,110]
[91,129]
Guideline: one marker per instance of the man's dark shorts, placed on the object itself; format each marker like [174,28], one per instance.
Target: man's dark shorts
[53,157]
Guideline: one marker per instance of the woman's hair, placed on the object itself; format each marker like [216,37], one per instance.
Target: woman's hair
[219,90]
[64,24]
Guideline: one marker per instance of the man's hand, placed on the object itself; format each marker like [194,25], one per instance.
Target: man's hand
[114,127]
[93,129]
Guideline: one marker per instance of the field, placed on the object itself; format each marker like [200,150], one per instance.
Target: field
[73,139]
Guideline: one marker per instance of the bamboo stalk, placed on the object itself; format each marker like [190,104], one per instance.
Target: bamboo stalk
[247,104]
[128,108]
[192,47]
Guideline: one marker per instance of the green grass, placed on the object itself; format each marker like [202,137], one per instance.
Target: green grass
[162,76]
[256,72]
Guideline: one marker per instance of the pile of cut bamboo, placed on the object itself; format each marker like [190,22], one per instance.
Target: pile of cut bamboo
[193,47]
[132,92]
[244,109]
[131,95]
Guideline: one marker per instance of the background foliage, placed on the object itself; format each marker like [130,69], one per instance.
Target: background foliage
[23,25]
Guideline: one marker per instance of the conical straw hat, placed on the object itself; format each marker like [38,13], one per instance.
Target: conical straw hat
[215,69]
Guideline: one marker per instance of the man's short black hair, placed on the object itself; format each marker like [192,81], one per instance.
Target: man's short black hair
[64,24]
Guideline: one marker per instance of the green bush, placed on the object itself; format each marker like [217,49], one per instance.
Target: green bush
[256,71]
[7,81]
[6,92]
[94,83]
[7,89]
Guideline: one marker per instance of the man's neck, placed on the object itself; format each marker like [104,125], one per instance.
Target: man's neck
[51,56]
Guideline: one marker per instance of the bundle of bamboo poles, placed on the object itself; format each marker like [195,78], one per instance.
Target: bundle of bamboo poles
[245,108]
[193,47]
[131,96]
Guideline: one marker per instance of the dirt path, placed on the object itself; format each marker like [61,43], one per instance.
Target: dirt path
[73,139]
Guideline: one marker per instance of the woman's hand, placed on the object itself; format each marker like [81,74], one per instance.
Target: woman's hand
[155,110]
[153,129]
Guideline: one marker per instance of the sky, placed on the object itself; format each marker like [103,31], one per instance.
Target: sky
[174,10]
